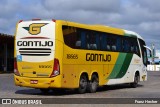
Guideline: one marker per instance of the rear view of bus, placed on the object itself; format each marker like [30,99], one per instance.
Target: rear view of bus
[35,64]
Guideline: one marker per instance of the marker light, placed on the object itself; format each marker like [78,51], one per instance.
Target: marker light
[56,68]
[16,72]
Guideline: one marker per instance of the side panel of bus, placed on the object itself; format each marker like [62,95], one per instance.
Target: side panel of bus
[121,68]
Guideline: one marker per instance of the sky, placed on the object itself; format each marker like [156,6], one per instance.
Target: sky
[141,16]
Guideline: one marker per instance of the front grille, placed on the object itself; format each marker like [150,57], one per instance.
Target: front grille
[35,51]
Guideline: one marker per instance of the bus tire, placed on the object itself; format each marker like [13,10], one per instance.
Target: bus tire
[93,84]
[82,84]
[136,80]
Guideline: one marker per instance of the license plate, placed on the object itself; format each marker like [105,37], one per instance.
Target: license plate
[34,81]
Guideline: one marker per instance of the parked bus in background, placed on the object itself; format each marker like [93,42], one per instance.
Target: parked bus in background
[62,54]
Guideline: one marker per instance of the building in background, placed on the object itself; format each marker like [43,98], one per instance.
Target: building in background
[6,52]
[154,60]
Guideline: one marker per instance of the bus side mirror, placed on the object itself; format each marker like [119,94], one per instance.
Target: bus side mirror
[149,52]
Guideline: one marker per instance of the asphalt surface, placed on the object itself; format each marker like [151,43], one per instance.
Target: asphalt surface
[148,89]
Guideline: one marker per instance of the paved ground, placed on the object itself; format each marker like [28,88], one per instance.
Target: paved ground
[149,89]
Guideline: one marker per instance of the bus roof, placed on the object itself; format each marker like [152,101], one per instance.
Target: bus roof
[103,28]
[100,28]
[97,27]
[131,33]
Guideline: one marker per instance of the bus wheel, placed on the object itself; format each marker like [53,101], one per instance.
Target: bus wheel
[82,84]
[135,83]
[45,91]
[93,84]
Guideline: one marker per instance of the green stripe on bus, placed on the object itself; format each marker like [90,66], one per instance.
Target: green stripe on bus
[125,65]
[118,65]
[121,66]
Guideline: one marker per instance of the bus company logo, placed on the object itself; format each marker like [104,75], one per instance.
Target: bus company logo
[35,28]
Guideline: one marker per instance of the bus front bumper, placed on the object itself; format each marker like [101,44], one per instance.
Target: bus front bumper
[54,82]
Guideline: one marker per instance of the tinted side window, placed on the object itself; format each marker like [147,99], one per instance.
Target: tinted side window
[78,38]
[130,45]
[126,44]
[92,40]
[118,43]
[70,36]
[134,46]
[102,41]
[81,42]
[81,38]
[112,42]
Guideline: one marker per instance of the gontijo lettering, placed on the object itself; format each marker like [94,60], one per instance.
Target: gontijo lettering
[98,57]
[34,43]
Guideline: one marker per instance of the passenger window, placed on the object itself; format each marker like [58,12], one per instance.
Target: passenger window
[92,43]
[103,42]
[126,45]
[134,46]
[92,40]
[78,38]
[119,44]
[110,42]
[113,43]
[78,41]
[70,36]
